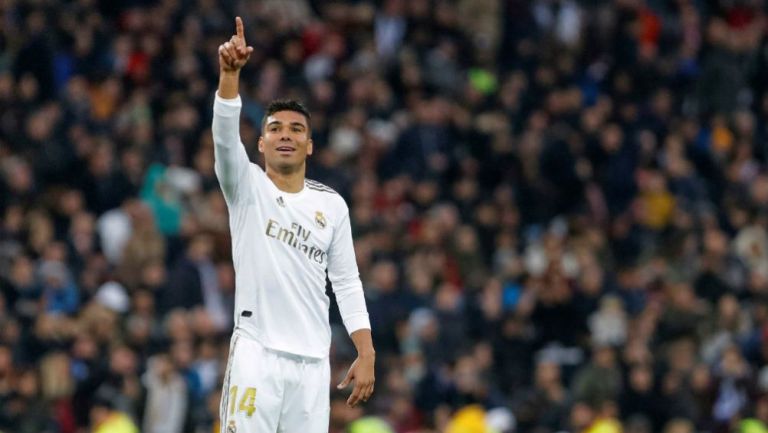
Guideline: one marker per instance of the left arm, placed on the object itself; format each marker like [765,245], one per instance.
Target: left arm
[345,279]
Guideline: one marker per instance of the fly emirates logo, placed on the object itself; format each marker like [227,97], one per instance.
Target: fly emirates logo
[296,237]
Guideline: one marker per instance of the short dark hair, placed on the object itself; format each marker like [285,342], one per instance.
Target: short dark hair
[286,105]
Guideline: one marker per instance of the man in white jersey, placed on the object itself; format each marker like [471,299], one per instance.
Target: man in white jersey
[287,232]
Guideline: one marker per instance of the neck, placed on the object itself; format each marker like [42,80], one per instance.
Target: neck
[289,180]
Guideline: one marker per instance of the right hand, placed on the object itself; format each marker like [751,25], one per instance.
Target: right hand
[234,54]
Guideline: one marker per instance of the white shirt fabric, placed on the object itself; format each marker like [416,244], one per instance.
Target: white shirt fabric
[282,246]
[115,231]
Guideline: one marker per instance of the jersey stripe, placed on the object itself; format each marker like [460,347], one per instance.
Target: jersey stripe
[317,186]
[320,188]
[329,191]
[224,409]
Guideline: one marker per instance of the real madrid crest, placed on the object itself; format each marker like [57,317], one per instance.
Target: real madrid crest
[320,219]
[231,427]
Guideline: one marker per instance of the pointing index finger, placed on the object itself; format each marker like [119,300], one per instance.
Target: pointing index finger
[240,32]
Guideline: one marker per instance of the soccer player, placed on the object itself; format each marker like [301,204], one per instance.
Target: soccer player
[287,232]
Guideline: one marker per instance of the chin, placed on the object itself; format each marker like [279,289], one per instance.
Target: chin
[287,167]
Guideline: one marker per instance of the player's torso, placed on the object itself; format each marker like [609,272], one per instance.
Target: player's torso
[300,225]
[281,245]
[295,229]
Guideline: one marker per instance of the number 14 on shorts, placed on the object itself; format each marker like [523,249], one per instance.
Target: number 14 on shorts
[247,401]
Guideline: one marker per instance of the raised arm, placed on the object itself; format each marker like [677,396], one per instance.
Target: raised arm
[231,159]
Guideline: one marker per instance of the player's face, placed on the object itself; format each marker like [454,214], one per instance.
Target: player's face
[285,140]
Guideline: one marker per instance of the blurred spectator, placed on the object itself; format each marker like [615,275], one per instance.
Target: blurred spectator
[640,398]
[60,295]
[194,282]
[609,323]
[167,400]
[758,422]
[528,182]
[545,405]
[600,380]
[106,419]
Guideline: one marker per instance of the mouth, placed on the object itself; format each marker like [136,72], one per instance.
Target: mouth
[286,149]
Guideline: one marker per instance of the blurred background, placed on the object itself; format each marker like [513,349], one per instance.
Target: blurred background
[559,209]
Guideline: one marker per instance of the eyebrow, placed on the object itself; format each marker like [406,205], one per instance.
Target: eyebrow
[277,122]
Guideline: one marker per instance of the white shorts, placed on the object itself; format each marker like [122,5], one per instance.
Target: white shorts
[266,391]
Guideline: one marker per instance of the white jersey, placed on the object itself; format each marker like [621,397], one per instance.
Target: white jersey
[282,245]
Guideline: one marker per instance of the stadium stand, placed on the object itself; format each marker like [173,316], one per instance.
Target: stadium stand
[559,206]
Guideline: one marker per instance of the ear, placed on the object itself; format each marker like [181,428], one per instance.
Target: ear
[309,147]
[261,144]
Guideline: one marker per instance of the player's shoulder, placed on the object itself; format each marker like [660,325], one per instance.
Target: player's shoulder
[325,193]
[316,186]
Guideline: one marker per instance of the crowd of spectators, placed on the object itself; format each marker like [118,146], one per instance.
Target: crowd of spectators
[559,209]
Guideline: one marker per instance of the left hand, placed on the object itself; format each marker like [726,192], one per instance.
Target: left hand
[361,372]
